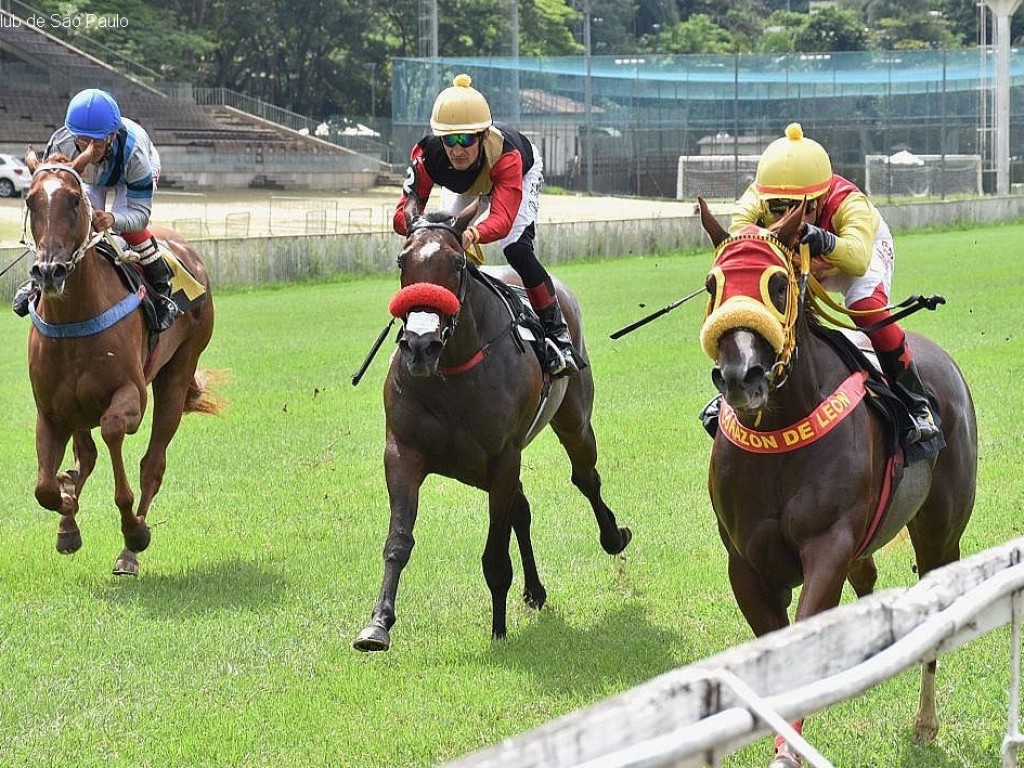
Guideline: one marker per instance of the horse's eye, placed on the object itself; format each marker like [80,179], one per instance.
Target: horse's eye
[778,290]
[710,285]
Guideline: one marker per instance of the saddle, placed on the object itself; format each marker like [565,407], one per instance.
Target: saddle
[527,330]
[186,291]
[887,405]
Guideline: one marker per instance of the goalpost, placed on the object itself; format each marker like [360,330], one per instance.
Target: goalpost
[907,175]
[714,177]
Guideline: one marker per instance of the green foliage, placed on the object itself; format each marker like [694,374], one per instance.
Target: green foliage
[832,29]
[698,34]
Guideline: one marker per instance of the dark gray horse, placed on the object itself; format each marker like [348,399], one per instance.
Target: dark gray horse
[463,399]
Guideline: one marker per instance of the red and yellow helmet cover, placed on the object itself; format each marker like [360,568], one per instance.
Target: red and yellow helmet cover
[743,266]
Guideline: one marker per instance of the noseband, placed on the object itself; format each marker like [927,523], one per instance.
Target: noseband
[91,238]
[460,266]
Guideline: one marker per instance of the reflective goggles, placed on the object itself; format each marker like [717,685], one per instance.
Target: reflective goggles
[459,139]
[780,205]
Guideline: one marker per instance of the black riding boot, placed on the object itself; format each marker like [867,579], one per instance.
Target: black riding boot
[709,415]
[563,359]
[22,297]
[158,275]
[906,383]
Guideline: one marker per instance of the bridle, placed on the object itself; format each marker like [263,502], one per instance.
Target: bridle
[91,237]
[797,267]
[460,265]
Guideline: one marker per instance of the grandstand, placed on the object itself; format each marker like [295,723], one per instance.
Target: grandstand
[201,146]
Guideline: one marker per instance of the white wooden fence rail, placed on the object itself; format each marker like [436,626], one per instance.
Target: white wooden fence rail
[695,715]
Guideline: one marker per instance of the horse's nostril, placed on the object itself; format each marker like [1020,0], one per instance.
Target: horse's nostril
[753,376]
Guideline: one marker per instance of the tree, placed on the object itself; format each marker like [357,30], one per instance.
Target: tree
[780,32]
[698,34]
[832,29]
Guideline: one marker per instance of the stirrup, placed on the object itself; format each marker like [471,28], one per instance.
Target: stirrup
[923,428]
[560,362]
[167,311]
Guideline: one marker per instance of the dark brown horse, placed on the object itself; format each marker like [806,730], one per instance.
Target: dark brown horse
[462,399]
[799,464]
[90,361]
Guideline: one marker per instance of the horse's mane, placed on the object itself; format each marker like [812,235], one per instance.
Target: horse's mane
[438,217]
[59,158]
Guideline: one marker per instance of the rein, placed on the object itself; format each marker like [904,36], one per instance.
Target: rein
[105,319]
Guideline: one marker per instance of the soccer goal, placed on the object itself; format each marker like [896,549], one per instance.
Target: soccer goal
[714,177]
[908,175]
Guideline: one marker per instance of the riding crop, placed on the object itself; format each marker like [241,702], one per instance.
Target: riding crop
[370,355]
[655,315]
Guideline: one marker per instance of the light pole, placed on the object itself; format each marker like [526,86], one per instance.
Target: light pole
[588,99]
[1003,10]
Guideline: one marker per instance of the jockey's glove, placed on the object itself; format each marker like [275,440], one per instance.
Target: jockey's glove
[820,241]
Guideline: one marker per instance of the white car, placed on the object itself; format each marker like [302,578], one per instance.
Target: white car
[15,176]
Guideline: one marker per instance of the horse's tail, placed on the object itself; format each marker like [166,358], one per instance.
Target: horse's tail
[200,398]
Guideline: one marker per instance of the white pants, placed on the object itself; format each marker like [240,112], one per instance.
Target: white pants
[879,273]
[529,208]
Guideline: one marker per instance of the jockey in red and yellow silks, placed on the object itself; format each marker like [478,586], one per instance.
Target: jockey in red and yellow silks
[851,248]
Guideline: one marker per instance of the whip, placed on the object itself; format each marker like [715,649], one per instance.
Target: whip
[372,353]
[655,315]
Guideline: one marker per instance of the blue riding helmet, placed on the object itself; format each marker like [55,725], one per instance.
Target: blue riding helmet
[93,113]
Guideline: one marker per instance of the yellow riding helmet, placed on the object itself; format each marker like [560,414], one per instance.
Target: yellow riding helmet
[793,167]
[460,109]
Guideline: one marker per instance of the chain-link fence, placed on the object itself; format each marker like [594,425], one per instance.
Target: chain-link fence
[620,124]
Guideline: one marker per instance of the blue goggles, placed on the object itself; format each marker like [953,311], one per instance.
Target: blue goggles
[459,139]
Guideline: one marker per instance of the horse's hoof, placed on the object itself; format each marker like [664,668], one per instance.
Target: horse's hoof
[925,733]
[127,564]
[535,598]
[69,542]
[784,761]
[625,536]
[372,638]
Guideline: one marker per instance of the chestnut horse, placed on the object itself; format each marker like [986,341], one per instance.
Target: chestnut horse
[463,399]
[91,361]
[798,487]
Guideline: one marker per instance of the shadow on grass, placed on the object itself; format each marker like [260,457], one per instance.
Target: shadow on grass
[198,589]
[913,755]
[621,650]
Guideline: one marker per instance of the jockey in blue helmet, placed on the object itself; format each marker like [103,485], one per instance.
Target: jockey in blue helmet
[119,156]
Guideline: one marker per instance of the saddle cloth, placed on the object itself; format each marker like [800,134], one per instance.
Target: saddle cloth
[186,291]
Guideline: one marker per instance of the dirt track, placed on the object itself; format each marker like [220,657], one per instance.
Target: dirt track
[240,213]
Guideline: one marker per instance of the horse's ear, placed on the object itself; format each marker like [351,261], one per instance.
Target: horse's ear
[466,215]
[81,161]
[31,159]
[787,229]
[715,230]
[411,211]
